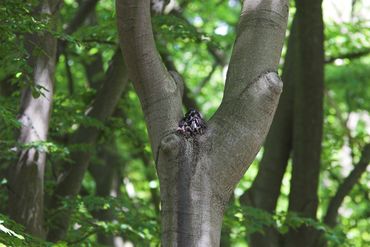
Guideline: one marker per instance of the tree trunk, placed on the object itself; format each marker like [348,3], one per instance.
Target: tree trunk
[94,67]
[69,182]
[198,174]
[308,120]
[106,176]
[26,177]
[265,189]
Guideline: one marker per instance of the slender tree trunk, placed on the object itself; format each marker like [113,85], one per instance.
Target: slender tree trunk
[265,189]
[308,120]
[26,177]
[106,172]
[198,174]
[69,182]
[105,175]
[94,67]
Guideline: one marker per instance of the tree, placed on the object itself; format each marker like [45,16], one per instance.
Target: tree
[26,197]
[197,175]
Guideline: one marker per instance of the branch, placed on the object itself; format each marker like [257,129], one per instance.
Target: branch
[206,79]
[159,94]
[69,73]
[105,42]
[347,185]
[78,19]
[218,55]
[252,87]
[343,122]
[83,11]
[350,55]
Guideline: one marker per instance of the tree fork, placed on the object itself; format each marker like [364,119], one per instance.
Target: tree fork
[197,175]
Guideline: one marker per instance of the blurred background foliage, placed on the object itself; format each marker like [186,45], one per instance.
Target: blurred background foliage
[197,37]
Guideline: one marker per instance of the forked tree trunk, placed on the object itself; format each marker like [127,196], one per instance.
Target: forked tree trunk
[198,174]
[26,177]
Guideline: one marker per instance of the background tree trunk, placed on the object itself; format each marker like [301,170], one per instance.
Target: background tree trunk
[308,120]
[106,175]
[265,189]
[26,177]
[69,182]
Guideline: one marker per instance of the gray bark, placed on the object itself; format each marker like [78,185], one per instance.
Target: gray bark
[308,120]
[265,189]
[69,182]
[26,177]
[197,175]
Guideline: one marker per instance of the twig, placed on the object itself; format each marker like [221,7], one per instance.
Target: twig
[346,186]
[69,73]
[350,55]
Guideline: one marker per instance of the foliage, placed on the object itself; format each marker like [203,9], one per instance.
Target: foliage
[12,234]
[247,220]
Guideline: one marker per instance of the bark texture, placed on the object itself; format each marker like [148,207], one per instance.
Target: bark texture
[197,175]
[265,189]
[308,120]
[69,182]
[26,177]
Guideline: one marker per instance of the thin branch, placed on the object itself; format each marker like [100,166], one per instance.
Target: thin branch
[79,18]
[350,55]
[99,41]
[83,238]
[218,55]
[82,13]
[206,79]
[69,74]
[345,188]
[342,121]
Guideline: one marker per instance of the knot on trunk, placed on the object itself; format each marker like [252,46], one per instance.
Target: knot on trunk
[274,82]
[170,144]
